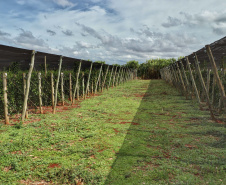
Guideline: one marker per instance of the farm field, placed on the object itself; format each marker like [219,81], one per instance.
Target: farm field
[141,132]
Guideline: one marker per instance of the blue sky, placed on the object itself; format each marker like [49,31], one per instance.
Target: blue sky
[114,31]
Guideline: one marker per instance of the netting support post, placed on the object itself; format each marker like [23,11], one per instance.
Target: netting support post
[40,92]
[203,86]
[216,75]
[4,78]
[57,84]
[76,85]
[87,84]
[28,86]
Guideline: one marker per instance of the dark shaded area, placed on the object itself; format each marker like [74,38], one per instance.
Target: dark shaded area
[162,142]
[11,55]
[218,49]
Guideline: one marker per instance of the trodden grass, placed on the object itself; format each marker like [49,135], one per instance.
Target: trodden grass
[142,132]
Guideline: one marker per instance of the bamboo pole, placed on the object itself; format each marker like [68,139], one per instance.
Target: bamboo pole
[52,90]
[70,86]
[62,88]
[204,86]
[98,79]
[4,77]
[40,92]
[87,84]
[218,80]
[28,85]
[77,79]
[57,84]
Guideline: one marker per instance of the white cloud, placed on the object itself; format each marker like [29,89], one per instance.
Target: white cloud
[63,3]
[116,30]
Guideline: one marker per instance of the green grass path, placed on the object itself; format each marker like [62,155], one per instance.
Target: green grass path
[142,132]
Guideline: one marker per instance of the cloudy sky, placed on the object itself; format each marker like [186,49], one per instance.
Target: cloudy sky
[114,31]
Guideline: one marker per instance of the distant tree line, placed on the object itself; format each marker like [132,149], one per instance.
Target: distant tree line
[151,68]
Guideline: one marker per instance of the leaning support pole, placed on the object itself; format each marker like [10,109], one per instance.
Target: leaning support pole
[40,92]
[4,77]
[113,84]
[186,79]
[57,84]
[105,77]
[24,84]
[98,79]
[182,81]
[193,82]
[204,86]
[45,67]
[62,88]
[52,90]
[119,72]
[70,87]
[77,79]
[83,87]
[28,85]
[87,84]
[109,84]
[216,75]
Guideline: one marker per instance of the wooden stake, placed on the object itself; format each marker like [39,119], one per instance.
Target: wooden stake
[70,86]
[215,71]
[40,92]
[83,87]
[98,79]
[4,77]
[186,80]
[62,88]
[45,67]
[52,90]
[208,81]
[87,84]
[204,86]
[109,84]
[77,80]
[193,82]
[105,77]
[24,84]
[78,92]
[28,85]
[113,83]
[57,84]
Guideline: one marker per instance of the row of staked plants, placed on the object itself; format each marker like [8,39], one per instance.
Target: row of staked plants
[151,70]
[15,86]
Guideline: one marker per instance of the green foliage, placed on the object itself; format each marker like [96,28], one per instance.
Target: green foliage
[14,67]
[15,86]
[100,62]
[133,64]
[116,65]
[143,132]
[151,68]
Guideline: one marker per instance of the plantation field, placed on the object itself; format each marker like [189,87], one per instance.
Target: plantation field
[141,132]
